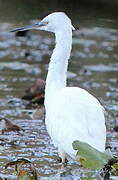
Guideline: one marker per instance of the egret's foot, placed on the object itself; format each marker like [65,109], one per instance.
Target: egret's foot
[62,156]
[63,161]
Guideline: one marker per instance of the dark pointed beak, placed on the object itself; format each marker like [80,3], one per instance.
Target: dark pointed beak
[28,27]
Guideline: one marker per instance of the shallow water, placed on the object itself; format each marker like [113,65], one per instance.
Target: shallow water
[93,66]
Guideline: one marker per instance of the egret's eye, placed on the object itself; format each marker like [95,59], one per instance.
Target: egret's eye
[46,22]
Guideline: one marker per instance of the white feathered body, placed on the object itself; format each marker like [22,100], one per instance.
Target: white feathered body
[76,115]
[71,112]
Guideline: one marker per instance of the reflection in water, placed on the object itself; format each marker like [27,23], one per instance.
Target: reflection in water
[93,65]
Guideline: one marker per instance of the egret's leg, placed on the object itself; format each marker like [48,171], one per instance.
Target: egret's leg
[62,156]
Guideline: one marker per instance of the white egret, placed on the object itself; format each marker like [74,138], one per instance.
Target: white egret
[72,113]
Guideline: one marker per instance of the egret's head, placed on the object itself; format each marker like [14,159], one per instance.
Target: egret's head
[53,22]
[56,21]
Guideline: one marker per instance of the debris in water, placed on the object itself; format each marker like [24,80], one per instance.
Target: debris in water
[8,125]
[116,128]
[25,170]
[36,93]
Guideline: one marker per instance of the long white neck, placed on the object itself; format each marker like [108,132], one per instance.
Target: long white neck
[57,70]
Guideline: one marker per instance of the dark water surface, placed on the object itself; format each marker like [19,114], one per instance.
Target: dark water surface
[93,66]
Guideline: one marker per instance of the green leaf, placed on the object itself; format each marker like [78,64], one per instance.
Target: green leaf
[115,166]
[90,157]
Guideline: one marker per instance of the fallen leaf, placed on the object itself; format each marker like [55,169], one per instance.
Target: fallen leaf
[90,157]
[23,173]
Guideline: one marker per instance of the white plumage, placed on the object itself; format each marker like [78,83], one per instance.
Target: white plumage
[71,112]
